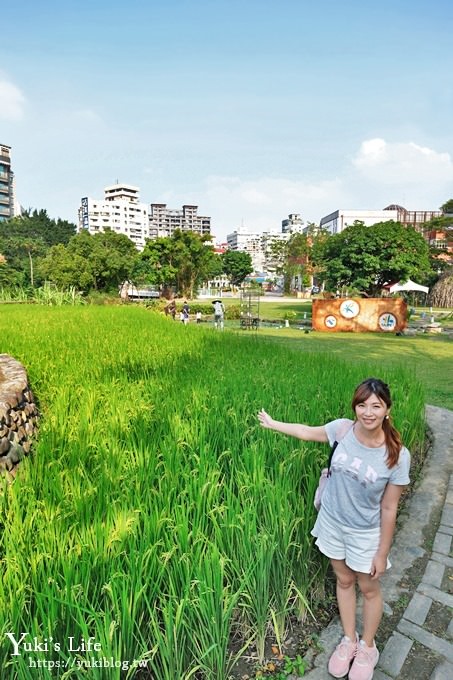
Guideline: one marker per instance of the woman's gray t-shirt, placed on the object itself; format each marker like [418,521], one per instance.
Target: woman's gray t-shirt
[358,478]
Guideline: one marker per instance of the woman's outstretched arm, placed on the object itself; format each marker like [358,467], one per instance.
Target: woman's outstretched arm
[305,432]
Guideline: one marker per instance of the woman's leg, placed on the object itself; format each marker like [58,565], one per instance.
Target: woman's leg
[346,596]
[372,606]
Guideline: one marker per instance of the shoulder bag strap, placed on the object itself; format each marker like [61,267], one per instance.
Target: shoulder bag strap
[343,431]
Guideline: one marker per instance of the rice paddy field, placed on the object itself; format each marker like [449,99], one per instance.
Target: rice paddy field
[157,527]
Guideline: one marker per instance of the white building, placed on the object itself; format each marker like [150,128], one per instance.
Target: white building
[164,221]
[293,224]
[248,242]
[120,211]
[340,219]
[257,244]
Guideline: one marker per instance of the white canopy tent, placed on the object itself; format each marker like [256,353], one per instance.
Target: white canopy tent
[408,285]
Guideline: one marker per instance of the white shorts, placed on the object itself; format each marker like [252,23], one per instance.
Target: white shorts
[356,547]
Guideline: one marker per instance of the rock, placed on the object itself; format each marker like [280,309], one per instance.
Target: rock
[11,399]
[16,453]
[4,445]
[18,414]
[21,433]
[13,437]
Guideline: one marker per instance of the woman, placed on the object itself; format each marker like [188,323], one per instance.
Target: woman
[356,521]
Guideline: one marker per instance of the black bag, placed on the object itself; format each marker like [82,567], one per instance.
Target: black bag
[325,474]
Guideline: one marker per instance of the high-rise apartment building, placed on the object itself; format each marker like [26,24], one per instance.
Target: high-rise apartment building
[293,224]
[120,211]
[164,221]
[7,194]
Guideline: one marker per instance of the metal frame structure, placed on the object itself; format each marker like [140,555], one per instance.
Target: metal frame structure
[250,309]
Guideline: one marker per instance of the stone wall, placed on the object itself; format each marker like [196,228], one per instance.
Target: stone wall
[18,414]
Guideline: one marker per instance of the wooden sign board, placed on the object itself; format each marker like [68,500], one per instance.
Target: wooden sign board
[359,315]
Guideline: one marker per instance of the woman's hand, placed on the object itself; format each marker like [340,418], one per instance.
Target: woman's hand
[378,566]
[265,419]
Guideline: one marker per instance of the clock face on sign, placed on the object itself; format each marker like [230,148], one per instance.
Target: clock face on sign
[349,309]
[387,322]
[330,321]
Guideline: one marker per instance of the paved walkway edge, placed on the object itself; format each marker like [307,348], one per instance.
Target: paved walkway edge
[428,503]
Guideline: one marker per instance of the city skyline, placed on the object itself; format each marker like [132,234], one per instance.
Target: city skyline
[251,111]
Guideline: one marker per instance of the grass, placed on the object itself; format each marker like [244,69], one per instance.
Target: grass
[276,308]
[430,357]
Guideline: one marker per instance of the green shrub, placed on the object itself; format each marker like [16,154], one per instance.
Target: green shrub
[233,312]
[206,308]
[155,304]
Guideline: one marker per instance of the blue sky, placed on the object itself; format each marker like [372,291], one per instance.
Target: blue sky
[249,109]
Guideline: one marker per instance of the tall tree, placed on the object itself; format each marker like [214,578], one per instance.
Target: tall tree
[65,269]
[297,264]
[24,238]
[439,232]
[112,258]
[36,224]
[100,262]
[366,258]
[447,207]
[236,266]
[298,256]
[182,261]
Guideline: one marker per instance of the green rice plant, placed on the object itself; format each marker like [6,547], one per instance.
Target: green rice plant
[257,600]
[155,515]
[211,609]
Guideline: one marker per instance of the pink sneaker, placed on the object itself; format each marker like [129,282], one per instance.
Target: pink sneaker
[365,660]
[341,659]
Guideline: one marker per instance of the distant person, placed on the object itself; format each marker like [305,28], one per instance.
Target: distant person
[198,317]
[219,314]
[185,313]
[171,309]
[356,520]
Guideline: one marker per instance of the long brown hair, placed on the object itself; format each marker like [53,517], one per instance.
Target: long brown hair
[392,436]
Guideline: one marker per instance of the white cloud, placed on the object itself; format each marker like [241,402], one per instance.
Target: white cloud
[379,174]
[12,101]
[262,203]
[402,163]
